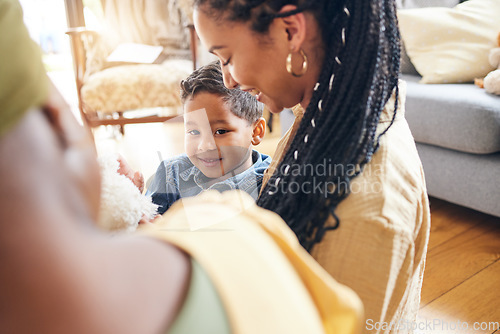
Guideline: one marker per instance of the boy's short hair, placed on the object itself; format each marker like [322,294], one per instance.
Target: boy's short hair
[209,79]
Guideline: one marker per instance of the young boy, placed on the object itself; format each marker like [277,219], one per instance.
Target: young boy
[221,125]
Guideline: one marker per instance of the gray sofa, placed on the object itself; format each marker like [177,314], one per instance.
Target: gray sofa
[457,131]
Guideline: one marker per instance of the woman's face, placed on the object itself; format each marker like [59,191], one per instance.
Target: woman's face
[254,62]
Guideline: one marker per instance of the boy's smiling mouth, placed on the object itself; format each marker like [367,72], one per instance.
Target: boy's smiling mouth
[210,162]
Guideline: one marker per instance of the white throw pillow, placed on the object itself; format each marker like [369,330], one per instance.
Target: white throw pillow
[451,45]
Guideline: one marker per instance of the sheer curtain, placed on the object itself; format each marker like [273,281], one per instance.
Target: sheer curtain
[426,3]
[152,22]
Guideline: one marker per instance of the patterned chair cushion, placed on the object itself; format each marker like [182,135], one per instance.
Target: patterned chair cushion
[131,87]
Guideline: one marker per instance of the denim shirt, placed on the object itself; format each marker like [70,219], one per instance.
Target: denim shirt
[177,177]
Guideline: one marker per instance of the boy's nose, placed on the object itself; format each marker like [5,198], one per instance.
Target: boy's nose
[229,82]
[207,143]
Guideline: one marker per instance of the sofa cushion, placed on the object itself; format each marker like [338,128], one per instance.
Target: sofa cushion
[406,66]
[462,117]
[451,45]
[465,179]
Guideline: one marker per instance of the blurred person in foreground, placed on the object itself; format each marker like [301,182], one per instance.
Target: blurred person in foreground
[245,273]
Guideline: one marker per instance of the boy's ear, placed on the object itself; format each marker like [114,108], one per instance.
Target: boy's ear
[259,130]
[295,26]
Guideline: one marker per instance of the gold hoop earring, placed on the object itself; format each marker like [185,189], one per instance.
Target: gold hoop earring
[289,64]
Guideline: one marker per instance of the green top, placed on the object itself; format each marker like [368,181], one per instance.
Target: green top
[23,82]
[202,311]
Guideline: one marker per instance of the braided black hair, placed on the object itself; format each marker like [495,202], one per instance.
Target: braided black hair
[359,73]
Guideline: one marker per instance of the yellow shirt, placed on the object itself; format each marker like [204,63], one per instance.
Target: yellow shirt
[380,246]
[266,281]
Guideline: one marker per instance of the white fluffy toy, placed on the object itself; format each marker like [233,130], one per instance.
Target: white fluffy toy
[491,83]
[122,204]
[492,80]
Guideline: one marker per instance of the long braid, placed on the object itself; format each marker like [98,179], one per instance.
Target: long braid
[338,129]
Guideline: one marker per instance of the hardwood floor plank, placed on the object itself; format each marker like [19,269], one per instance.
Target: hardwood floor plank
[449,220]
[436,203]
[456,260]
[475,302]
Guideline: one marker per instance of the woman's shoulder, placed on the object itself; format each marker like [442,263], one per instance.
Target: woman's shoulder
[392,185]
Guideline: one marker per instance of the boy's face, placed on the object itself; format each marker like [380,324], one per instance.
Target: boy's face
[217,141]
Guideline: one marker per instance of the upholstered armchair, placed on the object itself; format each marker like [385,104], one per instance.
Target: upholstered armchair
[119,93]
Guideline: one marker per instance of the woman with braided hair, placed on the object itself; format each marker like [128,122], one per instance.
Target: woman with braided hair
[346,178]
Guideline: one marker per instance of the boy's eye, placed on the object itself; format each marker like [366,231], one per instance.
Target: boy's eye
[193,132]
[221,132]
[225,63]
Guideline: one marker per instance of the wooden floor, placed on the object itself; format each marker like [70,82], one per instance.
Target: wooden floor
[462,279]
[461,288]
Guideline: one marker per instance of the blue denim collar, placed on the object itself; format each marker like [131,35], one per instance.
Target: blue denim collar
[244,180]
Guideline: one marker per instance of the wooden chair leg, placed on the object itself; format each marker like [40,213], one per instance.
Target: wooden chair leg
[122,126]
[193,44]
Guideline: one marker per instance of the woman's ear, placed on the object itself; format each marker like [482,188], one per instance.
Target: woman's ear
[259,130]
[295,26]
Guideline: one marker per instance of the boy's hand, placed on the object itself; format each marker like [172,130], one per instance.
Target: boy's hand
[136,177]
[145,221]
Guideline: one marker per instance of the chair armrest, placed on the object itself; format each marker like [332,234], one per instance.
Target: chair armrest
[80,38]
